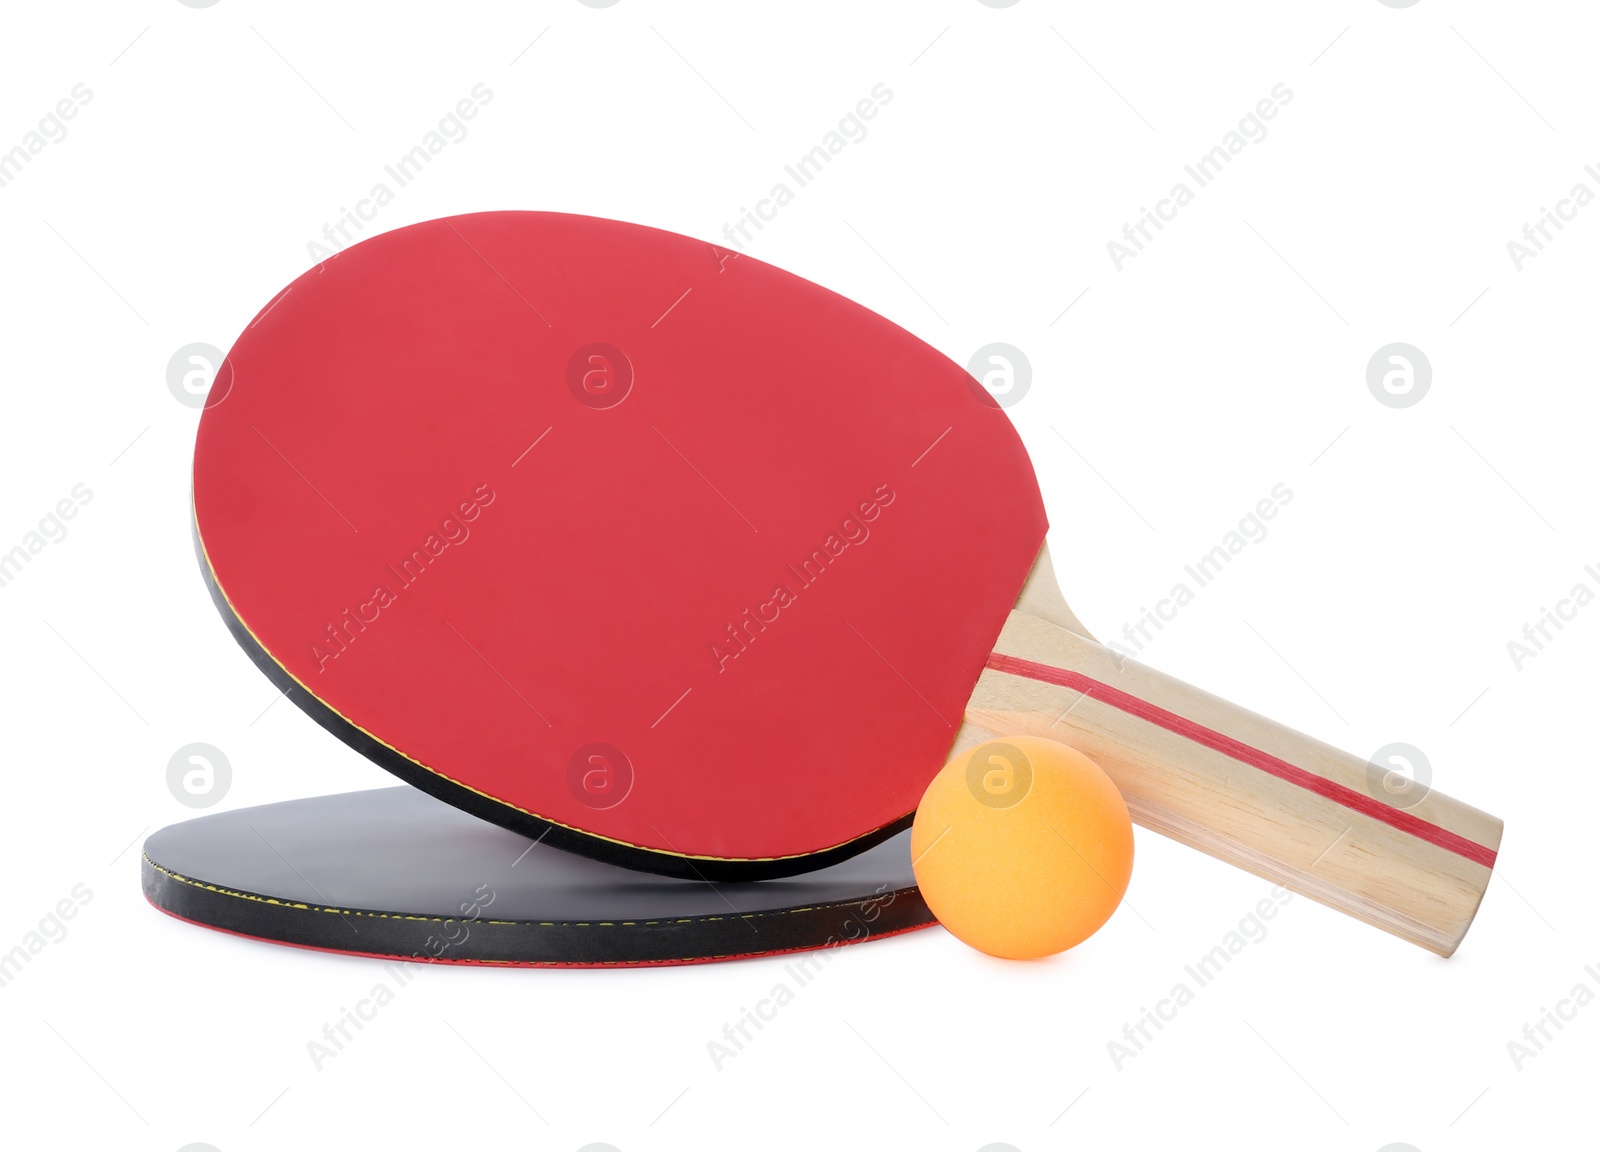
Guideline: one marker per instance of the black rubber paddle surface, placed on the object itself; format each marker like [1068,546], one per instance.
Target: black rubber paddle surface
[396,873]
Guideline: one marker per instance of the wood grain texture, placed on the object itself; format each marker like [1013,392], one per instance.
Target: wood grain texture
[1241,787]
[1041,596]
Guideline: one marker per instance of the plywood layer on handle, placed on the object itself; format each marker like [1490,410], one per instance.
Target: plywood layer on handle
[1243,788]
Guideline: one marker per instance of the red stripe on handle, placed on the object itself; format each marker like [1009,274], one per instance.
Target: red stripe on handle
[1255,757]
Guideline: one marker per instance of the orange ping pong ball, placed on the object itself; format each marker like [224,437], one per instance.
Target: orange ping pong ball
[1022,847]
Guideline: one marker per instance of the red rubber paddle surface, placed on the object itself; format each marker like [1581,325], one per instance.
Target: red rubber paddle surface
[610,534]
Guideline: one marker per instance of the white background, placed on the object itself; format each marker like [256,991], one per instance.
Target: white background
[1228,357]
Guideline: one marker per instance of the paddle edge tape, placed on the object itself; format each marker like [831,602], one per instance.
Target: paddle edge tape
[658,861]
[531,943]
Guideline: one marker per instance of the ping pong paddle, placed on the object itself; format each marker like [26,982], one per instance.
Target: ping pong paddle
[687,564]
[395,873]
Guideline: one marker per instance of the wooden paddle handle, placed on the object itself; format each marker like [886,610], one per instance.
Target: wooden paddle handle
[1243,788]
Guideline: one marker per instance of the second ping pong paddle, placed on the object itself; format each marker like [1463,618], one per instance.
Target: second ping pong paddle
[688,564]
[393,873]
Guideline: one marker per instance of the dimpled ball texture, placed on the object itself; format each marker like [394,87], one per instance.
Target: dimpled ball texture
[1022,847]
